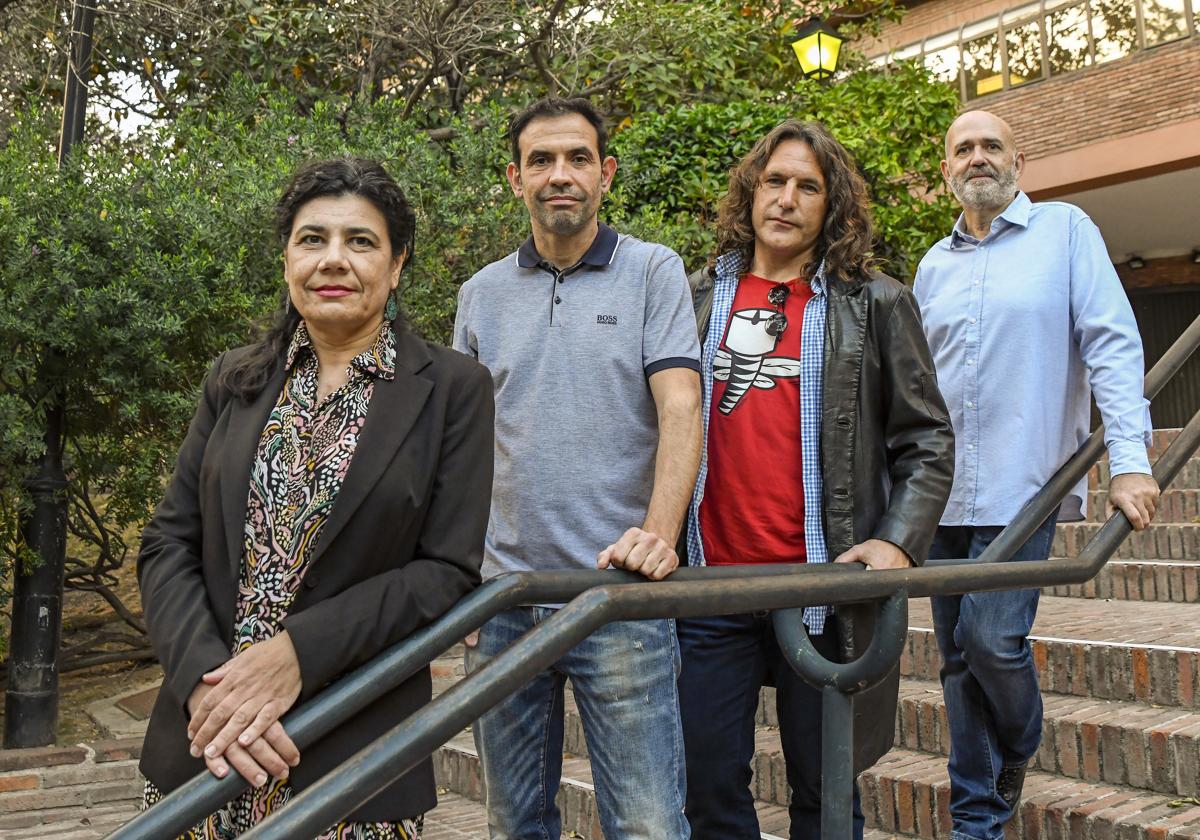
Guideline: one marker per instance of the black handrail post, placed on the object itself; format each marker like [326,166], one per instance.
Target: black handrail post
[31,703]
[837,764]
[838,682]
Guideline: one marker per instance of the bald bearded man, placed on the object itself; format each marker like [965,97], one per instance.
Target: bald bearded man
[1027,320]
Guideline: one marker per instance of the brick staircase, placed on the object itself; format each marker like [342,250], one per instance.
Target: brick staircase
[1119,661]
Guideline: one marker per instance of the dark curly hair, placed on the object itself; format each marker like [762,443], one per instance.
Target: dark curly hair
[845,241]
[319,179]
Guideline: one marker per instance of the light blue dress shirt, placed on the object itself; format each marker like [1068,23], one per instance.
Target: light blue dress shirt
[1024,325]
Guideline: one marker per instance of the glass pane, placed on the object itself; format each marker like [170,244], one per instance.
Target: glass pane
[944,64]
[1164,21]
[1024,44]
[1067,45]
[1114,26]
[981,61]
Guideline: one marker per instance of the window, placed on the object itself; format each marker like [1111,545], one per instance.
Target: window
[942,56]
[1048,37]
[1114,28]
[1067,44]
[1163,20]
[1024,45]
[981,58]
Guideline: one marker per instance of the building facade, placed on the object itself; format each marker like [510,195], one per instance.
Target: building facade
[1104,98]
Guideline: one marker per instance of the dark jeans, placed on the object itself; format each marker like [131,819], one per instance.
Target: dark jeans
[993,702]
[726,661]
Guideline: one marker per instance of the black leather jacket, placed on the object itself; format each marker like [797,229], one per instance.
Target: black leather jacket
[887,449]
[887,452]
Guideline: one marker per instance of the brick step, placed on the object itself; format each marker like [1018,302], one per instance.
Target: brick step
[1160,541]
[1143,746]
[71,823]
[1106,650]
[1179,506]
[1187,479]
[455,818]
[909,792]
[906,793]
[1139,580]
[457,768]
[1135,744]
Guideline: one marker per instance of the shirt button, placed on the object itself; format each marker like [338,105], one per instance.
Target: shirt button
[970,361]
[970,405]
[560,279]
[970,446]
[972,320]
[557,299]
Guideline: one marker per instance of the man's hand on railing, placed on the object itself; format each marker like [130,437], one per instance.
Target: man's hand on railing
[238,716]
[876,554]
[641,551]
[1135,495]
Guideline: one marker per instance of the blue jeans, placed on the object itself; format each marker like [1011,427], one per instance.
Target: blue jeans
[726,660]
[993,701]
[624,680]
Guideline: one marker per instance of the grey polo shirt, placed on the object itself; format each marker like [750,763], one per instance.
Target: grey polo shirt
[570,354]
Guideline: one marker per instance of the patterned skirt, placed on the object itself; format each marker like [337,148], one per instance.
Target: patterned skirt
[254,806]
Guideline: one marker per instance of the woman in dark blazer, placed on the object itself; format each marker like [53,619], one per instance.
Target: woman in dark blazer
[330,498]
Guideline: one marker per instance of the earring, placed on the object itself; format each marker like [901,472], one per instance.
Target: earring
[392,309]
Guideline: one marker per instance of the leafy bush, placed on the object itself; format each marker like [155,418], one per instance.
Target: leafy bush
[674,163]
[123,276]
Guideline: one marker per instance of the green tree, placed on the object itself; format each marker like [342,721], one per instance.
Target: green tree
[153,253]
[674,162]
[137,270]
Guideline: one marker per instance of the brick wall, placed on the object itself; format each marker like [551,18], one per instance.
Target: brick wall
[935,18]
[49,784]
[1147,90]
[1144,91]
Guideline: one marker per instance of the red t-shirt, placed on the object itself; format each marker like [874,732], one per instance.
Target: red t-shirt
[753,508]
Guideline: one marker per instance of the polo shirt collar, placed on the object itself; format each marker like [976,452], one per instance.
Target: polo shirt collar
[1016,213]
[599,253]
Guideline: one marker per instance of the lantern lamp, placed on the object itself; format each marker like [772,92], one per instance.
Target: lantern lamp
[817,48]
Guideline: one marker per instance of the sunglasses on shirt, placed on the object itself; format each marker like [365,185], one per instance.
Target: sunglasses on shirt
[777,297]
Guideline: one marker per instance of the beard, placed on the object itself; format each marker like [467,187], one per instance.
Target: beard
[565,221]
[985,193]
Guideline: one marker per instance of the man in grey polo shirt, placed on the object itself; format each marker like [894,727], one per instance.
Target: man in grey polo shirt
[591,342]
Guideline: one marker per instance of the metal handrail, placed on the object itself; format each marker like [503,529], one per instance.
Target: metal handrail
[801,585]
[204,793]
[370,770]
[1036,510]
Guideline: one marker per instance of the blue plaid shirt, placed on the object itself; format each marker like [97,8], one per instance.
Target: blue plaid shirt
[729,269]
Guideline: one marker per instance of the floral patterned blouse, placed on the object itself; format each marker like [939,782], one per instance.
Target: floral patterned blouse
[302,459]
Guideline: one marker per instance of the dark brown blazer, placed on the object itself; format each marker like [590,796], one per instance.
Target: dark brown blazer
[403,543]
